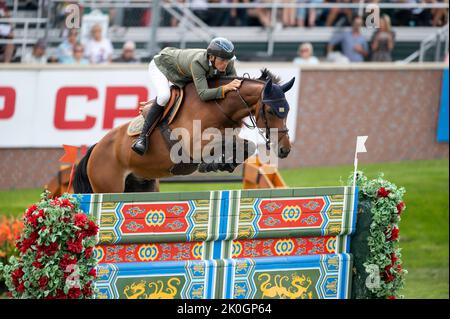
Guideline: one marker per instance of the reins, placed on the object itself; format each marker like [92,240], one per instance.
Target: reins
[253,118]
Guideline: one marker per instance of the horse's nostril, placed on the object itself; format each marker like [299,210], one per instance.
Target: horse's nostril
[284,151]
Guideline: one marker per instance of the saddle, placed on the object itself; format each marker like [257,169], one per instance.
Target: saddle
[170,111]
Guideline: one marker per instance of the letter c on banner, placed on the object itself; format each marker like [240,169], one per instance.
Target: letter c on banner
[63,93]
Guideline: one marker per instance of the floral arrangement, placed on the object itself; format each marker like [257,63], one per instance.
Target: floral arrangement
[386,209]
[55,252]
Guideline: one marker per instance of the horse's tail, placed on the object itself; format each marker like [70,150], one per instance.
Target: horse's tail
[81,184]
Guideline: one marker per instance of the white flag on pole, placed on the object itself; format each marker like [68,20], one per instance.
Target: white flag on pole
[360,147]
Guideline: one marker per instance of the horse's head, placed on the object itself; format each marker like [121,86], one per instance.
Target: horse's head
[274,111]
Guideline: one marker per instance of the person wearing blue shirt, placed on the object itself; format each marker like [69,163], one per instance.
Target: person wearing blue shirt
[354,45]
[77,56]
[65,49]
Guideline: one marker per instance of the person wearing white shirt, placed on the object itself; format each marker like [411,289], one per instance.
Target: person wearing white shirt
[98,49]
[305,52]
[38,54]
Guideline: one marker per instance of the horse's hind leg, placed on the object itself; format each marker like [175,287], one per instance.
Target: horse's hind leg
[134,184]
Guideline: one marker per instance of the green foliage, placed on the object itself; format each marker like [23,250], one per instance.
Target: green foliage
[386,209]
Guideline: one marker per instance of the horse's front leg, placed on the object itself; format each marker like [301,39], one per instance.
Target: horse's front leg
[232,155]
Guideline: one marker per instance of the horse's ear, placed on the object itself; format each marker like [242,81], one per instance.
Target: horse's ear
[287,86]
[268,87]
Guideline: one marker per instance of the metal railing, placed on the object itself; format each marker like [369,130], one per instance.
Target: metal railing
[434,40]
[24,39]
[189,23]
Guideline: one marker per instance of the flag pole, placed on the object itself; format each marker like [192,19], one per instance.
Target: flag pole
[71,178]
[355,164]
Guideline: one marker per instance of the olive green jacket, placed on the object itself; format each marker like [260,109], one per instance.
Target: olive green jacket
[184,66]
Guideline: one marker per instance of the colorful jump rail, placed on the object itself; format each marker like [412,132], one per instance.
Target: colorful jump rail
[278,243]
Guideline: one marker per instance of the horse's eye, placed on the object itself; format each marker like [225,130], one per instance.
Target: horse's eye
[270,111]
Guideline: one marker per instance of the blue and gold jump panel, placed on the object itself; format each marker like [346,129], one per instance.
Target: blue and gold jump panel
[303,277]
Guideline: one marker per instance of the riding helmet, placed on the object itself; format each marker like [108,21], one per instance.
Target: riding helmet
[222,48]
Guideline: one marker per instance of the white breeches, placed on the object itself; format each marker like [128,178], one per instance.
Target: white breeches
[159,84]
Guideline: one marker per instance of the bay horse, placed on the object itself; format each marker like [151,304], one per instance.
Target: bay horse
[111,166]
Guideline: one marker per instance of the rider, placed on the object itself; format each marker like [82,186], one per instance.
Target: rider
[181,66]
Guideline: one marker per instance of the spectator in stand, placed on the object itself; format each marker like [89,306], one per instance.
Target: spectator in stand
[305,55]
[6,33]
[218,16]
[77,56]
[66,48]
[335,14]
[264,15]
[98,49]
[200,9]
[311,13]
[354,45]
[239,16]
[38,54]
[128,53]
[440,15]
[383,41]
[289,14]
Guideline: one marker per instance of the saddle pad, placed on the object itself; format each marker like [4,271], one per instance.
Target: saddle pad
[136,125]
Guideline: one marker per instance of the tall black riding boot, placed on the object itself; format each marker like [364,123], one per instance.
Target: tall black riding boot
[153,116]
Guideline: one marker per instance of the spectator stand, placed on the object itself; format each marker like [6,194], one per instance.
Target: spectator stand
[180,24]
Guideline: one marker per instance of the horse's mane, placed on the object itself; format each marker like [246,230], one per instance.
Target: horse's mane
[264,77]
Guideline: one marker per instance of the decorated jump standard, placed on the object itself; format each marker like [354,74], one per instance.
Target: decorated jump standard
[283,243]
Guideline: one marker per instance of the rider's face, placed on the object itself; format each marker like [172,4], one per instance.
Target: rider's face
[220,64]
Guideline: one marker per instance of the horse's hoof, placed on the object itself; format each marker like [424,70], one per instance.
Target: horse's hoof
[208,167]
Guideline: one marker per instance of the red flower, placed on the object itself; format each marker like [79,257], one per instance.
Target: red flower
[30,210]
[20,288]
[92,272]
[16,275]
[391,297]
[394,234]
[87,290]
[66,203]
[383,192]
[75,246]
[67,260]
[49,250]
[88,252]
[92,229]
[37,264]
[400,207]
[52,249]
[60,294]
[55,202]
[33,218]
[387,274]
[80,220]
[74,293]
[393,259]
[43,281]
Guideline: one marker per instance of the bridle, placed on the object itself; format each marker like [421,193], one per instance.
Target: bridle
[259,110]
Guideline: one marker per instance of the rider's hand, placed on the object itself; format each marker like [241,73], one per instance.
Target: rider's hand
[232,86]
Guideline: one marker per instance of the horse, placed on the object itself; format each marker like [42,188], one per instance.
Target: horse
[111,166]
